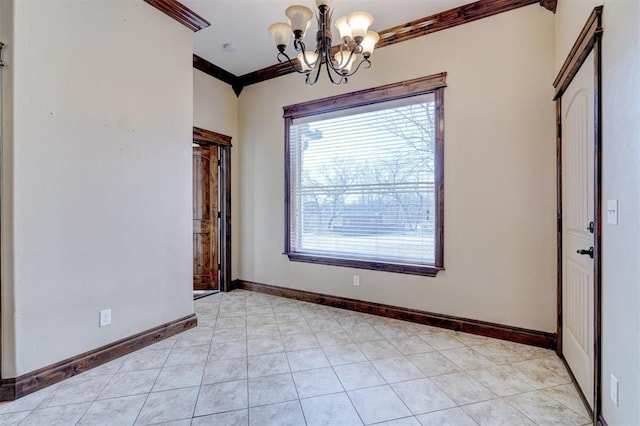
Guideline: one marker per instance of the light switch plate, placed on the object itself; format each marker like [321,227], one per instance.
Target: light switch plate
[614,390]
[612,212]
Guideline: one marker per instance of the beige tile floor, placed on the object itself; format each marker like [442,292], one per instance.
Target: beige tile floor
[261,360]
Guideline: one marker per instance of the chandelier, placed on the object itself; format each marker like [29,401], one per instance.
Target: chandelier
[341,62]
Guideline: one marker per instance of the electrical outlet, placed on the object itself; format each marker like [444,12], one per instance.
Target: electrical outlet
[614,390]
[105,317]
[356,280]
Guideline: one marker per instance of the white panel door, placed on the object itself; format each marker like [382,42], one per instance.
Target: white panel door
[577,234]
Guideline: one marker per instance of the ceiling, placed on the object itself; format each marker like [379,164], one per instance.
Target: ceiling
[244,23]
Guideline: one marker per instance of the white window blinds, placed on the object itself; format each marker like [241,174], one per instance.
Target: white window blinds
[362,183]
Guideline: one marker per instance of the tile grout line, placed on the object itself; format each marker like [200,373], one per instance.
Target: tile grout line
[519,411]
[345,391]
[295,386]
[215,324]
[246,340]
[100,393]
[73,403]
[155,380]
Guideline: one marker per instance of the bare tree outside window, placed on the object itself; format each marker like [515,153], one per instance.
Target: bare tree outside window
[363,184]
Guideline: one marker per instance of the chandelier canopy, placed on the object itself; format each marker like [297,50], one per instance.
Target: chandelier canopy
[341,62]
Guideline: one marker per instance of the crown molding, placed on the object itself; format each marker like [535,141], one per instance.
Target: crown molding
[410,30]
[217,72]
[550,5]
[180,13]
[264,74]
[430,24]
[448,19]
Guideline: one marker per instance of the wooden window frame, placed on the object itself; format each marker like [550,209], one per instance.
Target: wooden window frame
[420,86]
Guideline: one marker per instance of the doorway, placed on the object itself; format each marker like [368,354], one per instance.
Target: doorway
[578,227]
[206,193]
[211,212]
[578,114]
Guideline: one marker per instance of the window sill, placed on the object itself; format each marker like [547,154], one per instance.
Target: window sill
[426,271]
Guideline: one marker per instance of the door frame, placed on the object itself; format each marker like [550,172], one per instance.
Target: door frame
[589,40]
[210,138]
[1,201]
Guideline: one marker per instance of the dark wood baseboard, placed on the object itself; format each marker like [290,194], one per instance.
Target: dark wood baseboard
[13,388]
[482,328]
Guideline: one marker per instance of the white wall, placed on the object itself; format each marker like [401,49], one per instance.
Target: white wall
[100,176]
[215,107]
[499,175]
[7,345]
[621,181]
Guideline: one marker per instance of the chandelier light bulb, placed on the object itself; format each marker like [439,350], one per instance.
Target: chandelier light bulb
[281,33]
[340,59]
[300,18]
[343,28]
[346,69]
[344,61]
[359,23]
[312,57]
[369,43]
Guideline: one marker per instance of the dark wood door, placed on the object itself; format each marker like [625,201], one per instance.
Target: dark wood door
[205,218]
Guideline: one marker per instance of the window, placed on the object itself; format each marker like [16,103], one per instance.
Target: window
[364,178]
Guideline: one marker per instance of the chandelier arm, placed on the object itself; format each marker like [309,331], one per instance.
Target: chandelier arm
[336,68]
[291,64]
[300,47]
[316,69]
[329,69]
[298,44]
[330,59]
[365,61]
[357,49]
